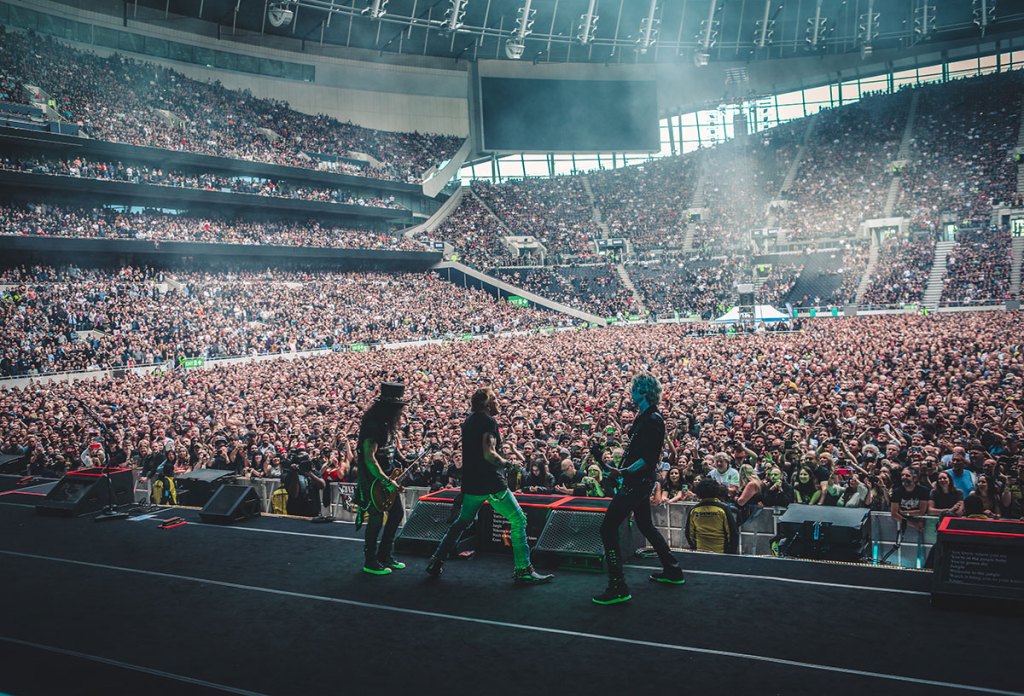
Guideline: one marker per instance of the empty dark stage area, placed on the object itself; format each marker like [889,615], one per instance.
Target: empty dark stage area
[279,606]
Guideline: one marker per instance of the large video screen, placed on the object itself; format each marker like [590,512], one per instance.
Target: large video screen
[532,115]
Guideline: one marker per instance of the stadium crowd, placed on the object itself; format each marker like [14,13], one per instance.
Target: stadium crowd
[836,414]
[901,273]
[109,223]
[978,267]
[594,289]
[120,99]
[136,173]
[960,162]
[75,319]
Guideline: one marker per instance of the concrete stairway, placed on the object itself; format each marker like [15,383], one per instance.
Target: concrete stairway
[596,214]
[933,290]
[1017,257]
[869,272]
[794,169]
[1020,144]
[627,283]
[893,194]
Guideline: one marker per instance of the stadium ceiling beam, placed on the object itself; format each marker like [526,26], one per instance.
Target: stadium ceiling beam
[706,16]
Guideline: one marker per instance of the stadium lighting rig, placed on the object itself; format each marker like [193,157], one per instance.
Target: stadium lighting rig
[708,35]
[648,29]
[588,24]
[279,14]
[924,20]
[454,15]
[376,9]
[515,44]
[984,13]
[868,29]
[817,28]
[765,27]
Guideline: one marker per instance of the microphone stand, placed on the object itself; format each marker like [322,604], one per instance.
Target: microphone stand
[110,512]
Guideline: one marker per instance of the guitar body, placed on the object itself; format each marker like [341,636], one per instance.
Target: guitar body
[381,499]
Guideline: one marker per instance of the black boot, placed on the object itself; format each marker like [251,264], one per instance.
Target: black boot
[616,592]
[371,564]
[672,575]
[435,567]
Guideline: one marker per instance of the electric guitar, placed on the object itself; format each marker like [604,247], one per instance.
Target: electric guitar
[381,499]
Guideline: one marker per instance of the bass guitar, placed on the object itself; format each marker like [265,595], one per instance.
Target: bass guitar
[381,499]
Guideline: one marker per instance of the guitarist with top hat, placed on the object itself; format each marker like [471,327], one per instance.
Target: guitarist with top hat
[379,460]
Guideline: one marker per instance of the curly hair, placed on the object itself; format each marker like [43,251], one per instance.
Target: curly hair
[649,386]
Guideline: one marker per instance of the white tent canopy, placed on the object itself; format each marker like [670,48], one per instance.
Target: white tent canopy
[765,313]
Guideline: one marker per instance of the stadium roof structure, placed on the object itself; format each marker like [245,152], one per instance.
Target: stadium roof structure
[608,31]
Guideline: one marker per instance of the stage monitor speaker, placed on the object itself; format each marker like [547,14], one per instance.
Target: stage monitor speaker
[197,487]
[979,563]
[231,504]
[87,490]
[426,524]
[13,464]
[571,540]
[825,533]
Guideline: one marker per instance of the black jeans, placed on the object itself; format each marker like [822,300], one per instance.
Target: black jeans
[636,500]
[374,522]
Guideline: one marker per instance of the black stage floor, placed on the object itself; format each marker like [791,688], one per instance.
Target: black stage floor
[278,606]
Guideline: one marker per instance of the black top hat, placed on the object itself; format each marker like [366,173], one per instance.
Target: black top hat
[392,393]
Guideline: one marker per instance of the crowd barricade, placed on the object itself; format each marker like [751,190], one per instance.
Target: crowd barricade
[757,532]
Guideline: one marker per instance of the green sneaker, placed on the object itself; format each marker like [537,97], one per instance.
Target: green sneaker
[392,563]
[376,568]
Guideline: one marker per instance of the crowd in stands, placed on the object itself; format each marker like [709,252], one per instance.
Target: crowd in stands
[961,160]
[780,280]
[645,203]
[902,271]
[76,319]
[595,289]
[978,267]
[136,173]
[845,171]
[475,234]
[844,412]
[109,223]
[705,288]
[120,99]
[556,211]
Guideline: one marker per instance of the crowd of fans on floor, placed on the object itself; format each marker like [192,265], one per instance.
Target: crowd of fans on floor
[124,100]
[74,319]
[844,412]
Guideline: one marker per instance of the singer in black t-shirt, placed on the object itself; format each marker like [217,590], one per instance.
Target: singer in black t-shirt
[639,472]
[483,479]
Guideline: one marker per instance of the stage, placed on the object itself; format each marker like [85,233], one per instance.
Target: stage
[278,605]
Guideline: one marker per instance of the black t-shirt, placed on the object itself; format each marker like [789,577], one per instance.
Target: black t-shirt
[646,438]
[378,433]
[480,477]
[910,500]
[944,501]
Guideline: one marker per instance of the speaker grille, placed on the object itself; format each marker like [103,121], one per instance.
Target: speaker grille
[570,531]
[428,521]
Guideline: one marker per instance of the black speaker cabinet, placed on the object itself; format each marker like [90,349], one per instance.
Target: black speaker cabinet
[88,490]
[426,524]
[231,504]
[828,533]
[571,539]
[197,487]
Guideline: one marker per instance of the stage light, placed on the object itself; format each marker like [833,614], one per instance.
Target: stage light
[279,14]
